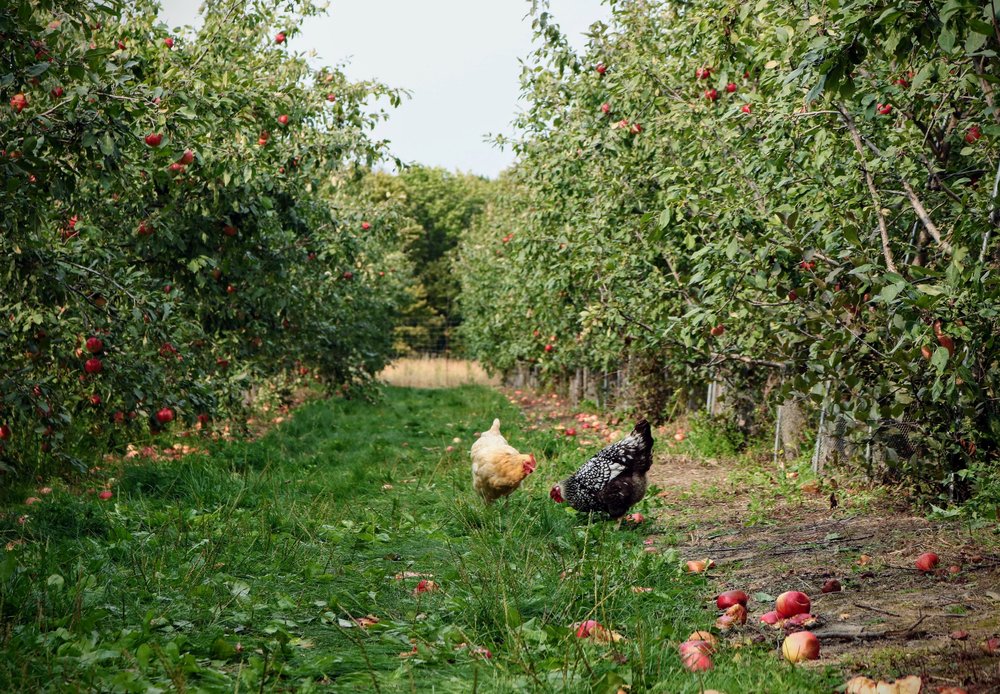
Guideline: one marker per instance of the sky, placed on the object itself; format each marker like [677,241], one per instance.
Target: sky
[458,58]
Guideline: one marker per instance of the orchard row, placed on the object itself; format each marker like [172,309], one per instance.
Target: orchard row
[799,204]
[181,223]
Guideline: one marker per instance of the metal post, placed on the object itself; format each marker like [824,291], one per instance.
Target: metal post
[777,433]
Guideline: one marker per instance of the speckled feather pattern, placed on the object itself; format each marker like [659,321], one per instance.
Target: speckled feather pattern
[614,479]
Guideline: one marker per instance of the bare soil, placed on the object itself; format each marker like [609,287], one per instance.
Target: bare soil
[769,532]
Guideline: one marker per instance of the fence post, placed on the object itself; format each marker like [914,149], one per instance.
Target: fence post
[777,434]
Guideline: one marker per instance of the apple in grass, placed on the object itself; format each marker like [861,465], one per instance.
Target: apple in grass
[802,645]
[5,432]
[283,119]
[168,42]
[57,92]
[745,108]
[95,345]
[601,68]
[165,415]
[973,134]
[331,97]
[187,157]
[711,94]
[154,139]
[731,597]
[229,230]
[718,330]
[731,87]
[93,366]
[365,226]
[605,107]
[18,102]
[105,494]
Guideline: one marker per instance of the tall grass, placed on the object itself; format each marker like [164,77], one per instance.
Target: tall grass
[244,570]
[436,372]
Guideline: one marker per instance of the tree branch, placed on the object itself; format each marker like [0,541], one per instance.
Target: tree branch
[890,264]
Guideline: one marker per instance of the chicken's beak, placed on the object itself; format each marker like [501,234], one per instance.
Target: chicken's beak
[556,494]
[529,464]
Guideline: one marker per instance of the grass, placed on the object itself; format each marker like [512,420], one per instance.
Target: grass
[244,570]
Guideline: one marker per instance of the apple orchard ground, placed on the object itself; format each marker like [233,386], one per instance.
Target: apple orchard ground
[292,562]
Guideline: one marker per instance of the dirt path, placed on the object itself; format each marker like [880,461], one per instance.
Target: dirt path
[769,532]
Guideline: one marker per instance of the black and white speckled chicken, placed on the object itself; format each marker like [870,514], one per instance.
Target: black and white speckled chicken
[612,481]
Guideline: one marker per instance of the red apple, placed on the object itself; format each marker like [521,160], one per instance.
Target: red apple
[695,656]
[105,494]
[230,289]
[348,275]
[121,45]
[58,92]
[770,618]
[176,168]
[831,586]
[973,134]
[731,597]
[635,129]
[703,73]
[154,139]
[792,603]
[802,645]
[331,97]
[229,230]
[165,415]
[549,348]
[145,229]
[118,417]
[93,366]
[601,68]
[927,562]
[222,363]
[187,157]
[948,343]
[587,628]
[95,345]
[884,109]
[718,330]
[731,87]
[605,107]
[746,108]
[168,42]
[711,94]
[203,419]
[365,226]
[283,119]
[18,102]
[95,399]
[280,37]
[5,432]
[571,432]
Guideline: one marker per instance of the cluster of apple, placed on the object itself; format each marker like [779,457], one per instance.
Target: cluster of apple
[791,612]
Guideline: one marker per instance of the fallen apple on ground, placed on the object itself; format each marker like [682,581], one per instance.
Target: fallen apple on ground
[731,597]
[792,603]
[927,561]
[802,645]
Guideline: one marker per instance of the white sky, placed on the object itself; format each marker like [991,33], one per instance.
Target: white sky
[459,58]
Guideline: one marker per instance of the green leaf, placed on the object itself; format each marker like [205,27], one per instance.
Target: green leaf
[939,359]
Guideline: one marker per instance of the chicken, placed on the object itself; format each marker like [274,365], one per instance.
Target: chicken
[497,467]
[612,481]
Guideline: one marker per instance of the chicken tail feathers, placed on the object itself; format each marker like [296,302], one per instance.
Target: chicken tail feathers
[495,429]
[642,430]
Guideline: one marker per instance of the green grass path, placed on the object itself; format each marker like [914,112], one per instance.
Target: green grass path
[242,571]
